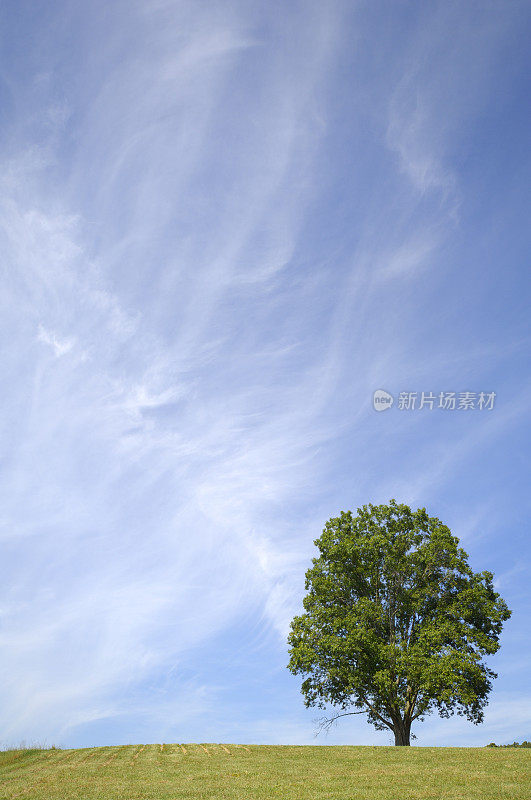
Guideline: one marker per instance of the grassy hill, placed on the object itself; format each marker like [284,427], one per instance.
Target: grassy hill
[241,772]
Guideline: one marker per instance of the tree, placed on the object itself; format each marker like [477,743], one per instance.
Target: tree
[396,623]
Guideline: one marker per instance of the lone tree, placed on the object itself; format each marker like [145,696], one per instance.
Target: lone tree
[396,623]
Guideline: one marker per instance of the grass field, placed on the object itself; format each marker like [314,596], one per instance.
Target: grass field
[242,772]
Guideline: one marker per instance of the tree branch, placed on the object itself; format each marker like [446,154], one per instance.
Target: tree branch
[376,714]
[326,723]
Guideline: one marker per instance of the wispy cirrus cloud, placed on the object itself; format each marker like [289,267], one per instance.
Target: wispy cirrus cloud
[59,346]
[141,473]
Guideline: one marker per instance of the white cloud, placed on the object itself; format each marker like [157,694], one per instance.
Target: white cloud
[143,472]
[59,346]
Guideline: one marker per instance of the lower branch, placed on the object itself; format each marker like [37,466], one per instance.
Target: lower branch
[326,723]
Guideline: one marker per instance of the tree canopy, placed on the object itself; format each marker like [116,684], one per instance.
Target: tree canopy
[396,623]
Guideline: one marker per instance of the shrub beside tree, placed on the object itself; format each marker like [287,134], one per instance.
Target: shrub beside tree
[525,743]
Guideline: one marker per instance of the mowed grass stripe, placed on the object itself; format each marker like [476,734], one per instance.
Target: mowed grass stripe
[98,755]
[116,754]
[20,760]
[33,766]
[139,750]
[50,764]
[173,750]
[207,771]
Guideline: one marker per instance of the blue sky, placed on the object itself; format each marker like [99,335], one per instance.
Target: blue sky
[223,226]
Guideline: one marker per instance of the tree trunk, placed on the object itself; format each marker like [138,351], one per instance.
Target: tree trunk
[401,732]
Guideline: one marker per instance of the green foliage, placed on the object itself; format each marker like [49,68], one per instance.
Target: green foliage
[396,623]
[525,743]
